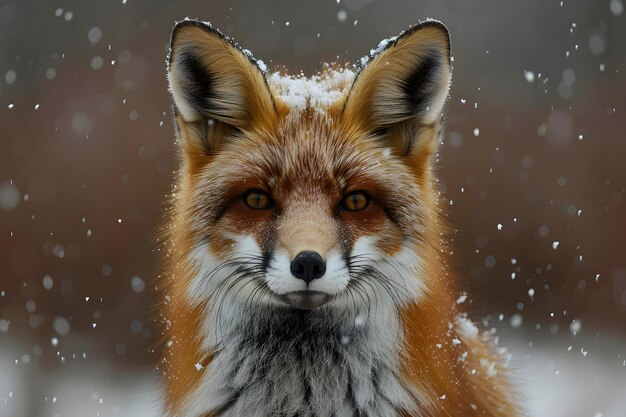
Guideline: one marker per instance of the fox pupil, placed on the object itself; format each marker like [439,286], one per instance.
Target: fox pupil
[356,201]
[256,199]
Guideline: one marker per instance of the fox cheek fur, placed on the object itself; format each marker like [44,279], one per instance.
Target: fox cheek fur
[305,271]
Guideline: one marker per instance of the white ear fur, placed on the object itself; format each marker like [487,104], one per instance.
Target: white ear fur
[178,89]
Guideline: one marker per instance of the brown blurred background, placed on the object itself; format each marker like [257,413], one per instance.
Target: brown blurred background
[532,167]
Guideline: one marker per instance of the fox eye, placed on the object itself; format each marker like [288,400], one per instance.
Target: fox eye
[257,199]
[355,201]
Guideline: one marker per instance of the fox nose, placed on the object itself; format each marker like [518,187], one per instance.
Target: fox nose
[307,266]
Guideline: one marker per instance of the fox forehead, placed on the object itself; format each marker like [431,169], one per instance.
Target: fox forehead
[309,152]
[310,162]
[307,143]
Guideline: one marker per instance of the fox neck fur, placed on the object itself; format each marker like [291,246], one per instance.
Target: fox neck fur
[305,364]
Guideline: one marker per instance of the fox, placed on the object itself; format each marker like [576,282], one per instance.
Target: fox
[306,255]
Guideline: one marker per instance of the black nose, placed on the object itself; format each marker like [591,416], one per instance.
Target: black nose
[308,266]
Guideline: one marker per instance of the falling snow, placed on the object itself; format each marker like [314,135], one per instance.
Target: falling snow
[531,143]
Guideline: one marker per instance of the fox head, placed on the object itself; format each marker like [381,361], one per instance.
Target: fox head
[307,194]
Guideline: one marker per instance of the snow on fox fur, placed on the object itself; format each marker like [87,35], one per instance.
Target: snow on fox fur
[305,270]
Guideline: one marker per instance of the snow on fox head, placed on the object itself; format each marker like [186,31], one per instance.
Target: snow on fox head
[307,193]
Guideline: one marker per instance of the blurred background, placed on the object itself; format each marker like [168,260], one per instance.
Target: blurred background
[532,167]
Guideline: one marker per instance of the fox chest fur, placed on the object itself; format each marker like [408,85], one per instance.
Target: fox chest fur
[305,269]
[299,365]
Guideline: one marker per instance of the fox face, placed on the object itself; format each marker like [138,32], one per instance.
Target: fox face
[306,272]
[321,202]
[308,218]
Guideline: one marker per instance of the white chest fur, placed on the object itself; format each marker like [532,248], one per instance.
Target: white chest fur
[299,364]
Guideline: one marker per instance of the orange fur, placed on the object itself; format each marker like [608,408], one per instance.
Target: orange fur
[459,374]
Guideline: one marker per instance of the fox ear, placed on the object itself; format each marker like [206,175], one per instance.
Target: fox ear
[215,83]
[402,87]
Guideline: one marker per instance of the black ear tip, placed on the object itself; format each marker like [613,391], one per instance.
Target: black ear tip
[194,23]
[432,24]
[185,23]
